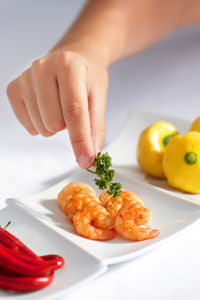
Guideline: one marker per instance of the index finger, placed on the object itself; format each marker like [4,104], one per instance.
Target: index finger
[72,82]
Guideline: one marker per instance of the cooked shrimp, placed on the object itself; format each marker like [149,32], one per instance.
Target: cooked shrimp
[113,204]
[73,188]
[76,196]
[92,223]
[78,202]
[97,219]
[132,223]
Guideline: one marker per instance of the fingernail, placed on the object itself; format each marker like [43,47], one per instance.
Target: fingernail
[84,161]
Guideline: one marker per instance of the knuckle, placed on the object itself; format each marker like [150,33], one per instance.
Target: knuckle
[61,58]
[37,63]
[77,140]
[74,110]
[67,58]
[69,61]
[37,67]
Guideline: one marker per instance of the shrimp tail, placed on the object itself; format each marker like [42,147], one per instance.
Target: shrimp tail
[147,234]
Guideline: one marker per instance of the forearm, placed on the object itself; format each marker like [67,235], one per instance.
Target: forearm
[117,28]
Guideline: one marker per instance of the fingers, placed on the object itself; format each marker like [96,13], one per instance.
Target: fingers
[48,99]
[35,100]
[19,107]
[28,93]
[72,81]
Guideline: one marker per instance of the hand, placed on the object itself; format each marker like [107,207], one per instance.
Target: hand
[65,89]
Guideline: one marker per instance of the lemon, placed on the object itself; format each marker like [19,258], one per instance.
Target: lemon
[196,125]
[151,145]
[181,162]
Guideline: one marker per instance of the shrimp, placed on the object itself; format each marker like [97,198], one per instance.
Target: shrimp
[100,219]
[114,204]
[132,223]
[76,196]
[92,223]
[78,202]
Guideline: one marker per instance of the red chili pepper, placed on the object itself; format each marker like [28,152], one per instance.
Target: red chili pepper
[25,254]
[25,258]
[56,260]
[52,260]
[10,261]
[25,283]
[15,244]
[7,272]
[21,269]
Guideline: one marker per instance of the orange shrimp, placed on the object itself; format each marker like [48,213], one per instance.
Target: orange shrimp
[132,223]
[92,223]
[76,196]
[114,204]
[99,219]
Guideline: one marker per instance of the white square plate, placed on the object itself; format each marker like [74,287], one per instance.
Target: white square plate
[173,211]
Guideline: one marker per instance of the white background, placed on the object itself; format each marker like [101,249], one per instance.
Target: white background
[164,78]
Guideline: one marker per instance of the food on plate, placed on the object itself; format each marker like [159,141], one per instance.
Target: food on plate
[21,269]
[27,283]
[98,221]
[105,175]
[132,219]
[132,222]
[14,244]
[195,125]
[75,196]
[94,223]
[151,146]
[114,204]
[181,162]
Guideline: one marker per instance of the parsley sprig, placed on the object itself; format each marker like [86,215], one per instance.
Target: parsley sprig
[103,162]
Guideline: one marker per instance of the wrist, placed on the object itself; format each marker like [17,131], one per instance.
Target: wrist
[100,29]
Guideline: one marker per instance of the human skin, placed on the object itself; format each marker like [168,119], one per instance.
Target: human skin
[67,88]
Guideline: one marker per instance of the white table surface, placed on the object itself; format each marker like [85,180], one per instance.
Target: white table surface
[164,78]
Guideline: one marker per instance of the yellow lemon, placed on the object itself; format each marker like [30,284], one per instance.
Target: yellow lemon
[151,145]
[196,125]
[181,162]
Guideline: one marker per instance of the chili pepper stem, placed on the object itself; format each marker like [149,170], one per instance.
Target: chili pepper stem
[7,225]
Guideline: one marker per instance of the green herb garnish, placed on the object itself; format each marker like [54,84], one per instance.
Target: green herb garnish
[105,175]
